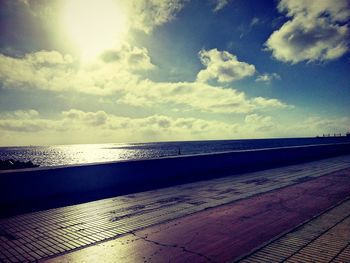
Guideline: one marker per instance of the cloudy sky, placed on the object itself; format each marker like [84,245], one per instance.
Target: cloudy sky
[88,71]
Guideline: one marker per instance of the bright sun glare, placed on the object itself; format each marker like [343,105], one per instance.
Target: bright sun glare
[94,25]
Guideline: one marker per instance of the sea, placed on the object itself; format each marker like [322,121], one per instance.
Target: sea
[58,155]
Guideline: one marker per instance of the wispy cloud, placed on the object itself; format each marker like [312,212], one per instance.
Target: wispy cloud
[220,4]
[327,125]
[254,21]
[245,29]
[145,15]
[267,78]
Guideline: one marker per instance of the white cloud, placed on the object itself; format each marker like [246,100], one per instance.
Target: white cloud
[76,126]
[316,31]
[48,58]
[196,96]
[261,102]
[117,75]
[220,4]
[89,118]
[223,66]
[23,121]
[20,114]
[147,14]
[335,10]
[143,15]
[53,71]
[259,123]
[23,125]
[267,77]
[133,58]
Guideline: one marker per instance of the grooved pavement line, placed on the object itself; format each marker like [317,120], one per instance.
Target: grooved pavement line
[323,239]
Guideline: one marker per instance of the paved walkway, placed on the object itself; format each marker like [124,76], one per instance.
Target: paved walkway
[223,233]
[324,239]
[48,233]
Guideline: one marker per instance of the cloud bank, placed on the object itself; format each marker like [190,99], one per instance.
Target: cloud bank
[30,127]
[117,75]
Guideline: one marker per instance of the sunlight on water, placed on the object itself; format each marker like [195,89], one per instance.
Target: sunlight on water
[87,153]
[84,153]
[93,153]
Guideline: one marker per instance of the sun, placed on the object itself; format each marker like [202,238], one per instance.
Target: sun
[94,25]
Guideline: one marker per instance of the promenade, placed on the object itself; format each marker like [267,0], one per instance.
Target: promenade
[296,213]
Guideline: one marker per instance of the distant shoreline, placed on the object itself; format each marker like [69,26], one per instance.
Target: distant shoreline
[49,156]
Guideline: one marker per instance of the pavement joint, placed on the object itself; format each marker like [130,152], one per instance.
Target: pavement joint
[184,249]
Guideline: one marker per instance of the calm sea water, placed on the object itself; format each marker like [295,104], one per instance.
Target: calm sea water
[91,153]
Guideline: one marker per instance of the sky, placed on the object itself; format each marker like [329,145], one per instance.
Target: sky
[114,71]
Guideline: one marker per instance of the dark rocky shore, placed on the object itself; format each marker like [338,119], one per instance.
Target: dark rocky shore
[13,164]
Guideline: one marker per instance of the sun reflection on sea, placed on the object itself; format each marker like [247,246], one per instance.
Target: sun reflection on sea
[58,155]
[88,153]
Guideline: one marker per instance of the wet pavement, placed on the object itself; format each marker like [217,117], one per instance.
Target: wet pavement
[226,232]
[217,220]
[325,238]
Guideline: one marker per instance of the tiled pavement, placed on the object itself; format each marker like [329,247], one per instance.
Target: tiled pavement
[223,233]
[323,239]
[43,234]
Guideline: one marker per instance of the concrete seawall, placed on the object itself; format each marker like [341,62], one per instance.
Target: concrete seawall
[37,184]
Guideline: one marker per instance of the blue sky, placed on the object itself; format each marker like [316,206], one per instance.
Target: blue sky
[134,71]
